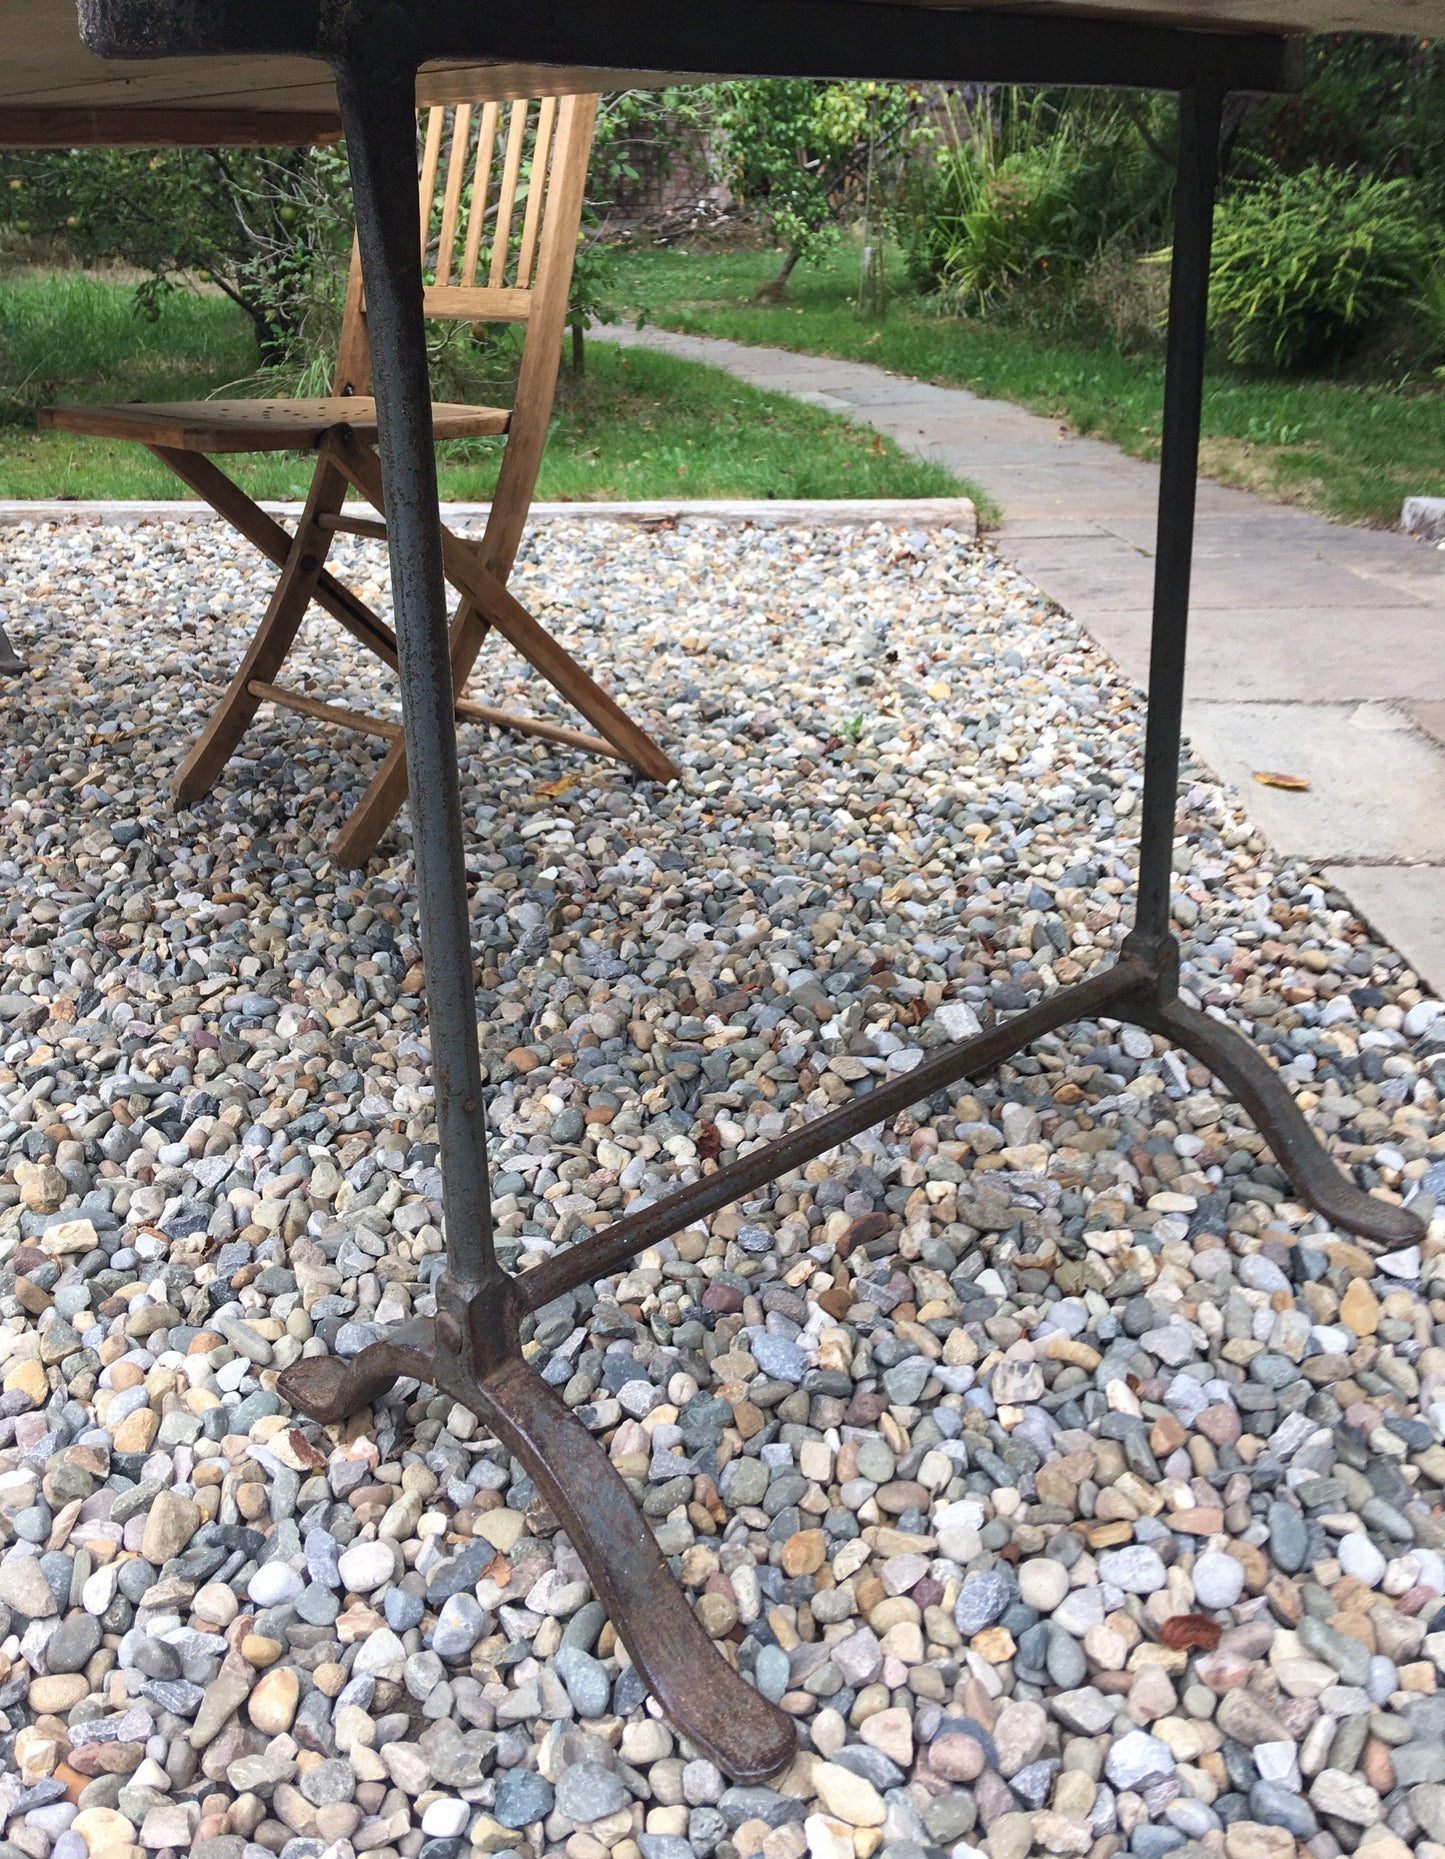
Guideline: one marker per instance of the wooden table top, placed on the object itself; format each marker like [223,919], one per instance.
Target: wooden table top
[266,83]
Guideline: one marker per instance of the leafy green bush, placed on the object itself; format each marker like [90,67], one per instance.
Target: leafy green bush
[1030,188]
[1304,262]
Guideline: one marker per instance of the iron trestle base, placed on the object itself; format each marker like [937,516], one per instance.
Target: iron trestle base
[471,1351]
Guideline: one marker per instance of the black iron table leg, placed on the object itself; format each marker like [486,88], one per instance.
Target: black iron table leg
[470,1349]
[1157,1006]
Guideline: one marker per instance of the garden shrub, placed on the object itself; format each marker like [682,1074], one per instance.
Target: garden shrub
[1030,190]
[1304,262]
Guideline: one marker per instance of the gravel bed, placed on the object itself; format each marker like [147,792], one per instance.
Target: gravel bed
[1072,1486]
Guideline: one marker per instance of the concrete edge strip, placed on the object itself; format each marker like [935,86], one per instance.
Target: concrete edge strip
[908,512]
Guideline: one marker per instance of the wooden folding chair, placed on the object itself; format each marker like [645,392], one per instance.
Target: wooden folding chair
[480,265]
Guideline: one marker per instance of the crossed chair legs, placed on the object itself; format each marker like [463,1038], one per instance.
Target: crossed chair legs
[346,462]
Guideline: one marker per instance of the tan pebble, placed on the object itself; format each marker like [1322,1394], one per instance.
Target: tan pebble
[718,1614]
[847,1796]
[995,1644]
[828,1838]
[490,1836]
[258,1650]
[1062,1834]
[37,1752]
[58,1694]
[891,1732]
[28,1378]
[215,1604]
[103,1828]
[1074,1794]
[1360,1308]
[330,1678]
[1010,1836]
[891,1610]
[1251,1839]
[272,1705]
[1376,1765]
[137,1432]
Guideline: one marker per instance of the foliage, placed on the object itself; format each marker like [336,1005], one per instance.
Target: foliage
[798,153]
[1370,103]
[1029,186]
[269,227]
[1303,262]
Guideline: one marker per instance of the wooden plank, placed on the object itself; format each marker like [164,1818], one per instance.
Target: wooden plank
[478,304]
[507,198]
[165,127]
[226,426]
[353,350]
[535,726]
[452,196]
[537,191]
[481,181]
[324,713]
[436,123]
[354,526]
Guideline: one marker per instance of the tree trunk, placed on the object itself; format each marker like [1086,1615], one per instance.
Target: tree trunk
[776,289]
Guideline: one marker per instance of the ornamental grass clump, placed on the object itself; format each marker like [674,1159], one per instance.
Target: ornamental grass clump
[1304,263]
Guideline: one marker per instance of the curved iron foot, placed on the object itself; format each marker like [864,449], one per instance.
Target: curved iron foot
[329,1389]
[1264,1094]
[748,1738]
[700,1692]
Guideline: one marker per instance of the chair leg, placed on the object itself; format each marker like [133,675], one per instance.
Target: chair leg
[243,513]
[501,608]
[293,594]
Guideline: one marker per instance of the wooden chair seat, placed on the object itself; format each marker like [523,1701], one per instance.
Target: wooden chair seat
[256,425]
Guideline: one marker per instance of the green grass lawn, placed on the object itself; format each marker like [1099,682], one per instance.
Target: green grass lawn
[635,426]
[1349,451]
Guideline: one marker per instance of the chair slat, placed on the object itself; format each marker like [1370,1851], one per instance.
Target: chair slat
[536,191]
[452,199]
[481,180]
[436,122]
[457,304]
[507,199]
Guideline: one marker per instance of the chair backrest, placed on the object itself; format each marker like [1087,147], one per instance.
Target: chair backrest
[501,188]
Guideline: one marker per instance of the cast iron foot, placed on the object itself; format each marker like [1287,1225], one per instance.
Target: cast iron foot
[1258,1086]
[746,1736]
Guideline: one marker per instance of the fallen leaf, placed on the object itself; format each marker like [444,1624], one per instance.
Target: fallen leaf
[1295,783]
[709,1142]
[550,790]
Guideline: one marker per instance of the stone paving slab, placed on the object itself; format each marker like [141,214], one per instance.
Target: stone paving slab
[1299,628]
[1377,786]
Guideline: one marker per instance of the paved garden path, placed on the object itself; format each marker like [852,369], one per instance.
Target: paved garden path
[1315,649]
